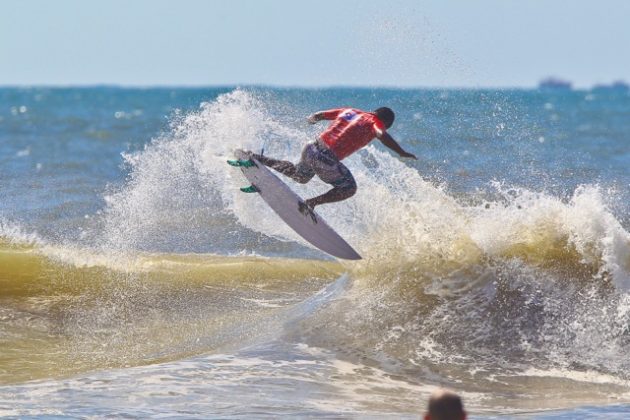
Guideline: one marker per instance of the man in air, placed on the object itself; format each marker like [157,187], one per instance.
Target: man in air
[350,130]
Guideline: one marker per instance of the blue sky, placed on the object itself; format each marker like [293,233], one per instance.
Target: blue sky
[297,43]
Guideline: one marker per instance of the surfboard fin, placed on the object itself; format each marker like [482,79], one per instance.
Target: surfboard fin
[242,163]
[250,189]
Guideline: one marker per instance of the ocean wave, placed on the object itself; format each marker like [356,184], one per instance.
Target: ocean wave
[67,310]
[180,190]
[524,279]
[25,263]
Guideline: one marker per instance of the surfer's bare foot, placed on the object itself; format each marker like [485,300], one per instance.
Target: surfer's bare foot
[307,210]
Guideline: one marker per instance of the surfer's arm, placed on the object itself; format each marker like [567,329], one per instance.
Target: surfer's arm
[390,143]
[329,114]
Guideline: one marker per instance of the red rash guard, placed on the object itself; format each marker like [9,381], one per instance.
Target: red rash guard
[351,130]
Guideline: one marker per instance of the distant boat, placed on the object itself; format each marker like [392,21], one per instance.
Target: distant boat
[554,83]
[618,87]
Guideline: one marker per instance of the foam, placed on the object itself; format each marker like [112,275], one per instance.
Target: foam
[545,223]
[179,184]
[14,234]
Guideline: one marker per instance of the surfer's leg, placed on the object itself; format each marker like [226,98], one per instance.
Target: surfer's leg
[335,173]
[337,193]
[332,196]
[302,172]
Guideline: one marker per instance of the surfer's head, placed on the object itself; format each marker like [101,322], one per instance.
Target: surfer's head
[386,115]
[445,405]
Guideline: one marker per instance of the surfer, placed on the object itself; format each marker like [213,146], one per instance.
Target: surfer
[350,130]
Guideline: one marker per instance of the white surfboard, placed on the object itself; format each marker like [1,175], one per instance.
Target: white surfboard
[285,202]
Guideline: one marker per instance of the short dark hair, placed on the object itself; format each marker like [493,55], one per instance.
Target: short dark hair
[386,115]
[446,405]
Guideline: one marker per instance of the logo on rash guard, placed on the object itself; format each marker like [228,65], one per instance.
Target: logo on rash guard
[349,115]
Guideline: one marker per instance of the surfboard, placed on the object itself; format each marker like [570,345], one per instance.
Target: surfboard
[285,203]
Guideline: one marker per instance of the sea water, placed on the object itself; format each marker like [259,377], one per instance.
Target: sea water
[137,280]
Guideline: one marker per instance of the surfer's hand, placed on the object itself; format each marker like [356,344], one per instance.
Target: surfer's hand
[313,118]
